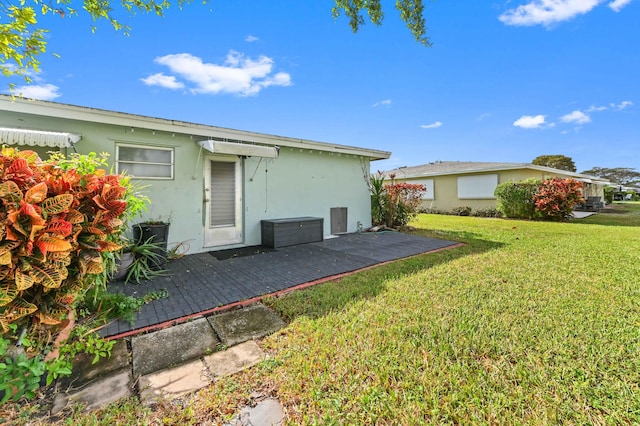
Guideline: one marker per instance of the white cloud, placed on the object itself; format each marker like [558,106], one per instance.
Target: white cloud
[251,39]
[547,12]
[622,105]
[385,102]
[45,92]
[483,116]
[593,108]
[530,121]
[236,75]
[432,125]
[578,117]
[617,5]
[166,81]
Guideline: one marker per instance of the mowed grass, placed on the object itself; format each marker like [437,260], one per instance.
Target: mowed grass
[528,323]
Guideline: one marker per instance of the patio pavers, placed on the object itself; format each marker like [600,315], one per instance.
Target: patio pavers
[201,283]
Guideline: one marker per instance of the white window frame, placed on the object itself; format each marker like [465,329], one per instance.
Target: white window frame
[118,162]
[429,184]
[477,187]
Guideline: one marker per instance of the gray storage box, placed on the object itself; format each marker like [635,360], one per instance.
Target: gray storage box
[288,232]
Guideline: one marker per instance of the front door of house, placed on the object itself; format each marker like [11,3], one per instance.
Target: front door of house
[223,201]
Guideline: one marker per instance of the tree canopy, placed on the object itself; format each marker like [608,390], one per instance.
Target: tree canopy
[619,175]
[557,161]
[22,39]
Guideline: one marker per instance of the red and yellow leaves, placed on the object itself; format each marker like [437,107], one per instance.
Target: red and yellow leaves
[47,244]
[24,281]
[108,246]
[8,292]
[36,194]
[58,204]
[17,309]
[59,227]
[10,190]
[47,277]
[74,217]
[19,169]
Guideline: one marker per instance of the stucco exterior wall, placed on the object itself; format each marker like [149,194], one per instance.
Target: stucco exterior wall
[298,183]
[445,188]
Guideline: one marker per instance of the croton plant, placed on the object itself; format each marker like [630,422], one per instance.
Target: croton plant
[55,226]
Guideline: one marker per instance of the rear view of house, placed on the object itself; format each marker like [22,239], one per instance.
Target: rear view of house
[214,185]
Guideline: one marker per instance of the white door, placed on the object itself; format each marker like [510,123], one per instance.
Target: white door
[223,201]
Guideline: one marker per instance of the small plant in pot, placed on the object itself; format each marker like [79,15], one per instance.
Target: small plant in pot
[140,261]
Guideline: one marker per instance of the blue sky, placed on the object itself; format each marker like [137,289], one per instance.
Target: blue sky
[504,81]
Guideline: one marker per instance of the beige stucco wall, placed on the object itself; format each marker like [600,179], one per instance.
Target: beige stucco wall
[445,189]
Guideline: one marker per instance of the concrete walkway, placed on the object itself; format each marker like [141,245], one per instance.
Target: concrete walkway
[172,362]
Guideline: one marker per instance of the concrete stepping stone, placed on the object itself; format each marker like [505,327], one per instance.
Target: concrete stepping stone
[174,382]
[84,371]
[244,324]
[99,393]
[266,413]
[234,359]
[172,346]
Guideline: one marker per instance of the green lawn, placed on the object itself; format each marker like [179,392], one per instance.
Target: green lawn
[528,323]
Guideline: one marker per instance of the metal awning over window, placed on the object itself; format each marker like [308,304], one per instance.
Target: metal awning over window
[249,150]
[38,138]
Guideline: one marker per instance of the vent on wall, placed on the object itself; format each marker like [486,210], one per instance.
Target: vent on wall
[338,220]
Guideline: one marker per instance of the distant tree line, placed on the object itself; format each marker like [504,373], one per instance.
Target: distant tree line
[617,175]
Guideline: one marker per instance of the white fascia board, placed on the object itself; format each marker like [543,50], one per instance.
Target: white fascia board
[77,113]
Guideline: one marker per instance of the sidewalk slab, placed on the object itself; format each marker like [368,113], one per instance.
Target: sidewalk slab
[172,346]
[244,324]
[104,391]
[84,371]
[174,382]
[234,359]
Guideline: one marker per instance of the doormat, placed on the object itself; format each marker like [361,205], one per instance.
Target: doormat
[240,252]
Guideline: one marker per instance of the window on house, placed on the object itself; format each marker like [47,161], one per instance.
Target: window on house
[145,162]
[430,194]
[477,186]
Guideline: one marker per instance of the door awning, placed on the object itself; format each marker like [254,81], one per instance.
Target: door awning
[249,150]
[38,138]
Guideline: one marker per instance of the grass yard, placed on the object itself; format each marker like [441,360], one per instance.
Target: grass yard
[529,323]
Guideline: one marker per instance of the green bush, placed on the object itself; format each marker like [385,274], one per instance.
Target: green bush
[461,211]
[515,199]
[488,212]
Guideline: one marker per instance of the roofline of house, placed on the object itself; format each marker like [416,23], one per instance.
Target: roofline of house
[94,115]
[506,166]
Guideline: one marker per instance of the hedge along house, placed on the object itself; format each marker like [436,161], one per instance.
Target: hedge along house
[453,184]
[214,185]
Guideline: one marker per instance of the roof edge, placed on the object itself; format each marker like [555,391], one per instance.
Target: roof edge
[95,115]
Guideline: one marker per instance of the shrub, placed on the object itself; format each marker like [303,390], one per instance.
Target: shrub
[515,199]
[488,212]
[55,223]
[394,204]
[461,211]
[556,198]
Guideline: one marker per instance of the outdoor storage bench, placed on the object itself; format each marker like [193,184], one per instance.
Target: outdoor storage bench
[291,231]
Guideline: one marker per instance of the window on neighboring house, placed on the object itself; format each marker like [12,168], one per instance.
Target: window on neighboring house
[429,194]
[477,187]
[145,162]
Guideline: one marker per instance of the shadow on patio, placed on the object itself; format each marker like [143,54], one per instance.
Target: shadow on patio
[200,284]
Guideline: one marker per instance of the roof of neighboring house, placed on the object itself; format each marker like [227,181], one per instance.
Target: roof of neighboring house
[93,115]
[438,168]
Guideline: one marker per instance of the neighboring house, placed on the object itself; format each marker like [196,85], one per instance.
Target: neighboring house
[453,184]
[215,185]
